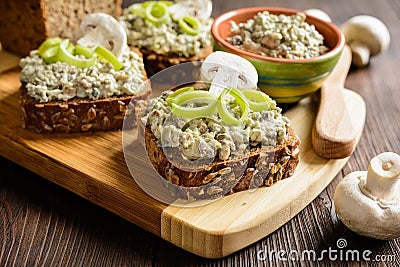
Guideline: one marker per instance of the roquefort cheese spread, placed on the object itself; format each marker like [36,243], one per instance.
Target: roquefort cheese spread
[209,137]
[61,81]
[278,36]
[167,38]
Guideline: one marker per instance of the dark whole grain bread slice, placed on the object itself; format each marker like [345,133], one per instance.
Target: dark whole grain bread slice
[260,167]
[77,115]
[154,63]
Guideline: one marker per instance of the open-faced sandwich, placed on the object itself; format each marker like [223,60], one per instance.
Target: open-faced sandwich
[222,138]
[82,87]
[169,33]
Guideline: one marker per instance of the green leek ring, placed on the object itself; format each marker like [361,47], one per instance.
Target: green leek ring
[44,48]
[192,94]
[84,51]
[191,113]
[157,13]
[258,101]
[64,55]
[189,24]
[223,111]
[172,96]
[200,96]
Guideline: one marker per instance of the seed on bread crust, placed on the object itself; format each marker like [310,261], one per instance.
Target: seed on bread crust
[296,152]
[225,171]
[86,127]
[212,190]
[209,177]
[105,123]
[63,106]
[91,114]
[269,181]
[55,117]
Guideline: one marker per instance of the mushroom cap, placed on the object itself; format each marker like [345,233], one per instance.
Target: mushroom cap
[103,29]
[369,30]
[246,72]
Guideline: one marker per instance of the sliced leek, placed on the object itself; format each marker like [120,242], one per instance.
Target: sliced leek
[157,13]
[225,114]
[189,24]
[64,55]
[258,101]
[109,56]
[197,97]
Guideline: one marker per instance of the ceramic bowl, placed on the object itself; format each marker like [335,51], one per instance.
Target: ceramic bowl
[285,80]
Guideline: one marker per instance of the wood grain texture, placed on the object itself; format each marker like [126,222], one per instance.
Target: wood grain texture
[64,159]
[42,224]
[8,61]
[336,127]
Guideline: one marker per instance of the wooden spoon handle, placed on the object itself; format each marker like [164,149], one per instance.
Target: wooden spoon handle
[333,134]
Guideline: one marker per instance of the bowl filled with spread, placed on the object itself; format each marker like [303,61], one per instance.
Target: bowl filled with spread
[293,52]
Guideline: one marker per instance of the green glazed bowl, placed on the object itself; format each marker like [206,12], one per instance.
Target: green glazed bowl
[285,80]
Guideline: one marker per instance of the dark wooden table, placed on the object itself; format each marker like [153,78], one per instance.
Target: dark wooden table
[44,225]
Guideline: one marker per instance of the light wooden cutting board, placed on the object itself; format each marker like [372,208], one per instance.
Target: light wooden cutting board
[93,166]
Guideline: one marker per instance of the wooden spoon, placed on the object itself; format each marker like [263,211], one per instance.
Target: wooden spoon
[334,134]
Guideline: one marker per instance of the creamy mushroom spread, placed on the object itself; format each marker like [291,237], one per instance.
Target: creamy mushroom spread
[61,81]
[278,36]
[167,38]
[209,137]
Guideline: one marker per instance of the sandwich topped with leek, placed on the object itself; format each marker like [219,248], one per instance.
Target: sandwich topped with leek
[82,87]
[169,33]
[219,139]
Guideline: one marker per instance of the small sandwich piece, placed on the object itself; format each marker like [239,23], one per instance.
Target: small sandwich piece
[169,33]
[219,140]
[83,87]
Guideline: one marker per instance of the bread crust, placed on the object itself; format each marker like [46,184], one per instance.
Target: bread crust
[77,115]
[261,167]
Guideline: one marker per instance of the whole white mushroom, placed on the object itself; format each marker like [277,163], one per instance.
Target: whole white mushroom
[318,13]
[369,202]
[367,36]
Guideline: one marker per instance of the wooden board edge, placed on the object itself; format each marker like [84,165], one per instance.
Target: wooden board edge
[223,242]
[269,224]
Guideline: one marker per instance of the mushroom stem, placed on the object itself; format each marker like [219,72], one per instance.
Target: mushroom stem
[383,176]
[225,77]
[360,53]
